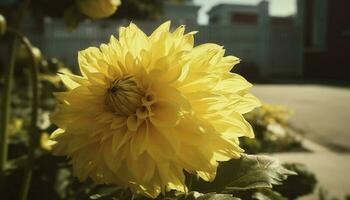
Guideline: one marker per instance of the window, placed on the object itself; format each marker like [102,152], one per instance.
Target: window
[244,18]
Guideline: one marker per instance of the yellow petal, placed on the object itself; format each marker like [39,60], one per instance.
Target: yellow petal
[166,114]
[139,141]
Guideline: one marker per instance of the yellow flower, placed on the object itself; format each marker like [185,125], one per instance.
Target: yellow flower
[16,126]
[98,8]
[275,113]
[146,108]
[45,142]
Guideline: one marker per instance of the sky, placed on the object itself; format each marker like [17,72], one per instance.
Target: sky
[277,7]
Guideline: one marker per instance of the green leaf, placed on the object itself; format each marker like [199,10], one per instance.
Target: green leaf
[209,196]
[296,186]
[266,194]
[258,172]
[248,172]
[213,196]
[104,192]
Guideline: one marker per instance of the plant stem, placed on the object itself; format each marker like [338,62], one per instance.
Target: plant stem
[6,101]
[5,111]
[33,134]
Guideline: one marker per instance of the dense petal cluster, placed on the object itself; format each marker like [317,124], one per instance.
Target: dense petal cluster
[148,108]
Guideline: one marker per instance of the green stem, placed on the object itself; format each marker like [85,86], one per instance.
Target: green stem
[6,100]
[33,135]
[5,111]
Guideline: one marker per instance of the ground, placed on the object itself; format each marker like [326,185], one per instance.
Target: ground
[323,113]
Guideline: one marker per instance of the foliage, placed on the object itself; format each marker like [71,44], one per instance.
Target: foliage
[273,132]
[140,9]
[266,194]
[301,184]
[248,172]
[323,194]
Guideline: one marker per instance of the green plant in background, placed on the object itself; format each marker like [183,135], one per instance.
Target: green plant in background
[6,109]
[273,132]
[323,194]
[295,186]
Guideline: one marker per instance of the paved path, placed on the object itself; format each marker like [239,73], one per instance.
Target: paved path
[322,112]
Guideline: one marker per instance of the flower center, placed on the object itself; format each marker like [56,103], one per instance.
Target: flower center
[124,95]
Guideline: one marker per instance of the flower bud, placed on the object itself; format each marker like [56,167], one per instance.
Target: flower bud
[2,25]
[37,54]
[98,8]
[22,55]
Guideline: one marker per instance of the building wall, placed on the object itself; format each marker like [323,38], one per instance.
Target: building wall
[326,38]
[285,44]
[276,47]
[225,12]
[271,50]
[239,40]
[181,12]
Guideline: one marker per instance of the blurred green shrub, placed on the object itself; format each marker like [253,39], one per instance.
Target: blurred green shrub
[301,184]
[273,132]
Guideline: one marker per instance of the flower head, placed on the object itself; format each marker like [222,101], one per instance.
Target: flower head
[270,114]
[148,108]
[98,8]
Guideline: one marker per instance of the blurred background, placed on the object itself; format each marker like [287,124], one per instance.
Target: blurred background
[294,51]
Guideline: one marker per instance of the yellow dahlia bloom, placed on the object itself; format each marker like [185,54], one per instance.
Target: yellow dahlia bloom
[98,8]
[146,108]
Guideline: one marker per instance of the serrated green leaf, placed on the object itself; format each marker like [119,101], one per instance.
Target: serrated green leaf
[248,172]
[258,172]
[296,186]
